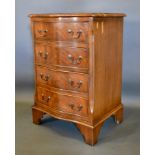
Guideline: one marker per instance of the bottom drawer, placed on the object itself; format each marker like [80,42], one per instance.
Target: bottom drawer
[62,102]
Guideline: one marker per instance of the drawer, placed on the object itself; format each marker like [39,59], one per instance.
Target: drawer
[62,79]
[62,31]
[43,30]
[62,55]
[62,102]
[74,31]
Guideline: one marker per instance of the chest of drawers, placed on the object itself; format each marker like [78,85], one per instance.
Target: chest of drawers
[78,69]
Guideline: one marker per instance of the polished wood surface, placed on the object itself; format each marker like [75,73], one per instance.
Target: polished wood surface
[108,67]
[37,115]
[61,55]
[59,31]
[78,69]
[63,102]
[52,15]
[62,79]
[90,134]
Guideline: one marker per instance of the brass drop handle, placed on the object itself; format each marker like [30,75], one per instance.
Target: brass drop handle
[42,33]
[73,85]
[75,35]
[79,108]
[75,61]
[44,77]
[46,99]
[71,105]
[43,54]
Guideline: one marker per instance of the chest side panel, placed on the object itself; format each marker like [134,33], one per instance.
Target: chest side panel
[107,65]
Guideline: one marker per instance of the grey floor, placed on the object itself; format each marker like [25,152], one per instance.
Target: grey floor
[55,137]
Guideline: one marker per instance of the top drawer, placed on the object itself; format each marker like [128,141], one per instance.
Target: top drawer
[62,31]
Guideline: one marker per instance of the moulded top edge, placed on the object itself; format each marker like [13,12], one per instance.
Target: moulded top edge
[78,15]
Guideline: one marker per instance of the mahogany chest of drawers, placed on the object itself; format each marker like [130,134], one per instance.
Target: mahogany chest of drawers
[78,69]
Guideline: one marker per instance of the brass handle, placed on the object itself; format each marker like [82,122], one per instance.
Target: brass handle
[79,108]
[46,99]
[73,85]
[75,61]
[71,105]
[44,77]
[42,33]
[75,35]
[43,54]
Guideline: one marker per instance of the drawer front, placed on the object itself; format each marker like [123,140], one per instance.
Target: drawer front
[65,103]
[71,31]
[60,31]
[44,54]
[62,55]
[43,30]
[62,80]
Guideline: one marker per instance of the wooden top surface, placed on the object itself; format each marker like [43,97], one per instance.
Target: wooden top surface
[79,15]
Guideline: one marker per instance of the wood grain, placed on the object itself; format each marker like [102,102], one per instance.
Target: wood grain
[36,116]
[90,134]
[78,69]
[61,55]
[107,65]
[62,80]
[52,15]
[63,102]
[61,31]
